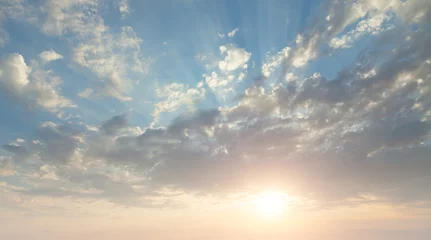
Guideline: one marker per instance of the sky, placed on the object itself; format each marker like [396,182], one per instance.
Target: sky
[205,119]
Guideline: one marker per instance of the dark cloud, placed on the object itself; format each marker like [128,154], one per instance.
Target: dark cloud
[115,124]
[58,143]
[16,149]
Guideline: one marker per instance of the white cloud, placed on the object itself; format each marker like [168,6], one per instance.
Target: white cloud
[176,95]
[124,8]
[74,16]
[215,81]
[275,61]
[291,77]
[229,34]
[305,51]
[111,57]
[231,70]
[325,27]
[14,72]
[233,32]
[234,58]
[50,55]
[373,25]
[31,85]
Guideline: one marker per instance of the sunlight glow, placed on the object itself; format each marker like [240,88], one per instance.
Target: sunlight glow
[271,203]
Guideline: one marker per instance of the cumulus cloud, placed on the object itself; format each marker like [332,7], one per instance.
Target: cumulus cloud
[214,81]
[50,55]
[234,58]
[232,69]
[31,85]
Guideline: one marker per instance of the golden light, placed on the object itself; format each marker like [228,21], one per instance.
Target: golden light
[271,203]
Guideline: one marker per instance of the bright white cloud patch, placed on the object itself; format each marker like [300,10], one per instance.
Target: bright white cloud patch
[177,95]
[275,62]
[215,81]
[50,55]
[14,72]
[31,85]
[234,58]
[372,25]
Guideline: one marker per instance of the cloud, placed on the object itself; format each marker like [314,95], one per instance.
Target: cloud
[124,8]
[232,69]
[55,144]
[6,168]
[233,32]
[215,81]
[31,85]
[177,95]
[115,56]
[230,34]
[234,58]
[110,55]
[333,20]
[275,61]
[329,140]
[115,124]
[86,93]
[372,25]
[50,55]
[72,16]
[14,72]
[60,142]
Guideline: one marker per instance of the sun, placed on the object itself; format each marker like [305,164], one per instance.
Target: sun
[271,203]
